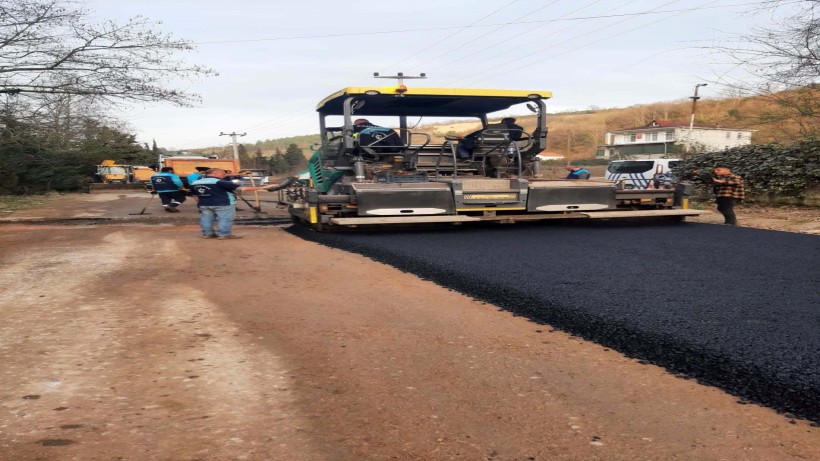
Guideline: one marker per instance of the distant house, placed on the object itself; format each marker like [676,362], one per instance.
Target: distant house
[662,138]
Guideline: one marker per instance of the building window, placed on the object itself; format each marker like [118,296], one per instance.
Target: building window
[653,136]
[728,135]
[633,137]
[739,135]
[670,135]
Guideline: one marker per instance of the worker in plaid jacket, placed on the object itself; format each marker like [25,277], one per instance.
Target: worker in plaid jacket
[728,189]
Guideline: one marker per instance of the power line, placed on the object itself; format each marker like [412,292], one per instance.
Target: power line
[428,29]
[191,143]
[526,32]
[446,53]
[257,126]
[277,119]
[532,54]
[291,122]
[612,36]
[450,36]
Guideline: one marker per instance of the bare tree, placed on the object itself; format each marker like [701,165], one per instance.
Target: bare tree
[52,47]
[783,65]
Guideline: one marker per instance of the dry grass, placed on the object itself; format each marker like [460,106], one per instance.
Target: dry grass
[11,203]
[576,135]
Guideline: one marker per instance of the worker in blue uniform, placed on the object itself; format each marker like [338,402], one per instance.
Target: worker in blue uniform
[170,189]
[216,200]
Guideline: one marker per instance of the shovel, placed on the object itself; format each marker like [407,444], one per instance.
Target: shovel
[145,207]
[255,194]
[256,209]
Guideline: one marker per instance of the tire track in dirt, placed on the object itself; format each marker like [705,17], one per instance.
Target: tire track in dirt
[95,363]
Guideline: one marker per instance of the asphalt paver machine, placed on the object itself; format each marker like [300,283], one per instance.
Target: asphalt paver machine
[387,176]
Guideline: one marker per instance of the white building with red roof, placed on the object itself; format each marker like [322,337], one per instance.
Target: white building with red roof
[664,138]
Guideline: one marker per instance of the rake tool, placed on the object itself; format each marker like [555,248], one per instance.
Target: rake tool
[146,205]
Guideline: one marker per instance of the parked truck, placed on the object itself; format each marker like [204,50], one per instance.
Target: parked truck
[142,174]
[360,180]
[184,165]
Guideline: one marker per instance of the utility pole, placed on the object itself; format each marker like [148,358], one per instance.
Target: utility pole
[233,139]
[692,119]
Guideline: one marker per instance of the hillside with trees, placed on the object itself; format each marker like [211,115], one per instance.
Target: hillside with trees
[576,134]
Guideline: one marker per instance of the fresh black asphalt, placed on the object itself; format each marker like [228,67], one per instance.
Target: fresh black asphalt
[731,306]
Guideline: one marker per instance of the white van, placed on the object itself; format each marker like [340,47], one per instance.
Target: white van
[638,173]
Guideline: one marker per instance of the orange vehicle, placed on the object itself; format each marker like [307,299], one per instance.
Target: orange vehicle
[184,165]
[141,174]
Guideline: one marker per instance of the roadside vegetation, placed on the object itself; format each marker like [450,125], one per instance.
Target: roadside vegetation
[63,74]
[768,170]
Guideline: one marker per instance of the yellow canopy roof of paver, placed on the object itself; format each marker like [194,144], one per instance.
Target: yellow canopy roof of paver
[431,102]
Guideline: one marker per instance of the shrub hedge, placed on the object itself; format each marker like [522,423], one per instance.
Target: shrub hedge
[767,169]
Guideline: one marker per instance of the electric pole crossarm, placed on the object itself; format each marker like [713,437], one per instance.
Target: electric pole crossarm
[233,140]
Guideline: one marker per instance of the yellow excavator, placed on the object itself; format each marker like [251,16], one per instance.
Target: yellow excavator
[108,172]
[112,176]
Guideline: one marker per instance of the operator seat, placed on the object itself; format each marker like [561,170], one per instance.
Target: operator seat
[496,150]
[375,141]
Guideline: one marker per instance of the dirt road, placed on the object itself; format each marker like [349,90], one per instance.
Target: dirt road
[144,342]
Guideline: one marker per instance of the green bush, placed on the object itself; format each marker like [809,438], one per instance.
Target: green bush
[767,169]
[40,171]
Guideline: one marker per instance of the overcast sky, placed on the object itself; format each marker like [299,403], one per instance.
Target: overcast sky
[277,59]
